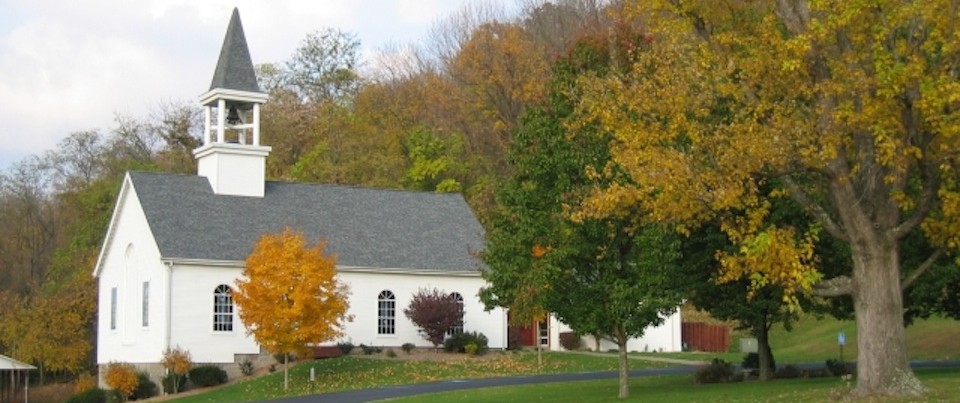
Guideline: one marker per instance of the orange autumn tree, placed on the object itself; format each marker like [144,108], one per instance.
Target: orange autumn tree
[289,296]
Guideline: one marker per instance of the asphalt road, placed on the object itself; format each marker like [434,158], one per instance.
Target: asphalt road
[389,392]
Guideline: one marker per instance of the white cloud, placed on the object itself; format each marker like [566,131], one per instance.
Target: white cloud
[69,65]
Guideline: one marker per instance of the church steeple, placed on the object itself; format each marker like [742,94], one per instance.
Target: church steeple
[231,156]
[234,67]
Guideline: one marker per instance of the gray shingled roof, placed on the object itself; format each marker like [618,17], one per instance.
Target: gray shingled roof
[234,67]
[364,227]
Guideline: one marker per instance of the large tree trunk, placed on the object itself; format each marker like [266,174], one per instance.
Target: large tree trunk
[765,353]
[624,390]
[882,364]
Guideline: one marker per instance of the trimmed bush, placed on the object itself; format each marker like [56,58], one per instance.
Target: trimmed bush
[751,362]
[718,371]
[391,353]
[173,383]
[817,373]
[93,395]
[470,348]
[145,387]
[207,375]
[788,372]
[570,341]
[839,368]
[345,347]
[458,342]
[369,350]
[407,347]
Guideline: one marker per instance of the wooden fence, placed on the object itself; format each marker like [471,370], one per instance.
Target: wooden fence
[697,336]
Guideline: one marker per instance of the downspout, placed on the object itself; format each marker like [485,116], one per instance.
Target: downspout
[167,308]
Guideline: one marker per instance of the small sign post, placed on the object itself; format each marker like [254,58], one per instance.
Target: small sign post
[841,340]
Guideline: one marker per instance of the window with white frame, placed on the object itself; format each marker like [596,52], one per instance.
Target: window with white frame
[145,305]
[386,313]
[222,309]
[458,328]
[544,333]
[113,308]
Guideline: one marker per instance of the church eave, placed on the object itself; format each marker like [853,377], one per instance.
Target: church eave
[213,95]
[175,261]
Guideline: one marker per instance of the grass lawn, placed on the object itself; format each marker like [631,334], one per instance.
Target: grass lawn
[350,373]
[815,340]
[812,341]
[942,383]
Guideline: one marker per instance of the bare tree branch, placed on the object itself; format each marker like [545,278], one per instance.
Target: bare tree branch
[834,287]
[927,200]
[813,208]
[795,14]
[906,282]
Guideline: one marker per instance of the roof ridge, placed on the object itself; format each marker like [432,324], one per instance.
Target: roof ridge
[362,187]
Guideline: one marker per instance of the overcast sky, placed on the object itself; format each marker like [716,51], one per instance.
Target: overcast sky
[68,66]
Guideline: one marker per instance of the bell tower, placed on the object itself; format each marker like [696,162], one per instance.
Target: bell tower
[231,156]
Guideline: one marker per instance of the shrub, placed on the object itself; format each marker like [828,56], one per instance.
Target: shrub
[92,395]
[173,383]
[407,347]
[123,378]
[788,372]
[570,341]
[817,373]
[391,353]
[345,347]
[145,387]
[369,350]
[751,362]
[470,348]
[718,371]
[176,361]
[839,368]
[458,342]
[208,375]
[434,312]
[246,367]
[84,383]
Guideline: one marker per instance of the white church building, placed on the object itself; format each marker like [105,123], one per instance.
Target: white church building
[176,245]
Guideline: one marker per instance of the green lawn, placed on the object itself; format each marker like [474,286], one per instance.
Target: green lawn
[942,383]
[350,373]
[812,340]
[815,340]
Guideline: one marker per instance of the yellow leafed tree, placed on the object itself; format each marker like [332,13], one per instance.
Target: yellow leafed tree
[289,296]
[852,108]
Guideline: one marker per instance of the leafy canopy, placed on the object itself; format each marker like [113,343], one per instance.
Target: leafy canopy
[289,295]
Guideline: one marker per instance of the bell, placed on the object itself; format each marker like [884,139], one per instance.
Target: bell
[233,117]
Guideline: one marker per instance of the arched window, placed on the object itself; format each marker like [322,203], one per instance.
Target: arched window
[222,309]
[386,313]
[458,328]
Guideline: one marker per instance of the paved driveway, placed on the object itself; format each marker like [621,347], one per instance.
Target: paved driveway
[389,392]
